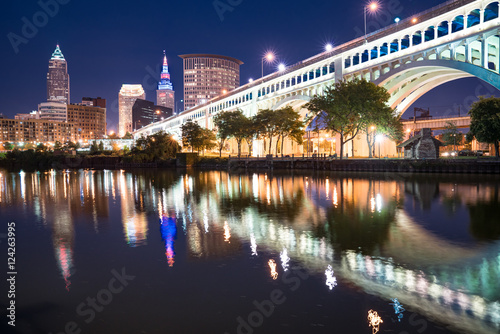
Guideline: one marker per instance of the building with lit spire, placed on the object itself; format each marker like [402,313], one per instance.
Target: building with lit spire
[58,78]
[165,95]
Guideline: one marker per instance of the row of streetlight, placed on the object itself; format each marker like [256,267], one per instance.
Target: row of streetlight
[269,57]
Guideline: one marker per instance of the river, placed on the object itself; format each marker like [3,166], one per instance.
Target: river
[163,251]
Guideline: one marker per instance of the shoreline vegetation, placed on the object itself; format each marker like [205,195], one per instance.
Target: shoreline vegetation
[30,160]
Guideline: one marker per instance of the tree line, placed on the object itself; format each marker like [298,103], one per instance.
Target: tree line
[346,108]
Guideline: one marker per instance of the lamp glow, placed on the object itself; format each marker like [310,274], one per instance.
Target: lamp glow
[374,321]
[328,47]
[281,67]
[272,265]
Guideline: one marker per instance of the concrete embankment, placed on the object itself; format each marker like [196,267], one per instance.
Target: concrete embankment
[477,166]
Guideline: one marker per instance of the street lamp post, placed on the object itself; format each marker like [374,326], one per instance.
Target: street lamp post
[176,111]
[379,138]
[373,7]
[269,57]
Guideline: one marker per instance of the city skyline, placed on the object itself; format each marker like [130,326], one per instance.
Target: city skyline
[109,59]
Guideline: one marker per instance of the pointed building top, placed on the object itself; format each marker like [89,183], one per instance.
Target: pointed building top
[57,54]
[164,59]
[165,76]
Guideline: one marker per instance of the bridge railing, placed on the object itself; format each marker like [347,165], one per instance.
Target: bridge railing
[431,118]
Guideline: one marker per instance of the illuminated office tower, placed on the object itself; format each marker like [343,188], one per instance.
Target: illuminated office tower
[126,99]
[58,78]
[165,95]
[207,76]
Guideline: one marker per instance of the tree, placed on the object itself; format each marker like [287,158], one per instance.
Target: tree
[234,124]
[250,131]
[29,146]
[101,146]
[158,146]
[57,145]
[192,135]
[267,125]
[208,140]
[485,121]
[94,148]
[114,135]
[451,135]
[224,123]
[128,135]
[8,146]
[376,117]
[289,125]
[69,145]
[239,129]
[343,107]
[41,148]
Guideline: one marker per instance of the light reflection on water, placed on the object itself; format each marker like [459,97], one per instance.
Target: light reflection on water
[362,230]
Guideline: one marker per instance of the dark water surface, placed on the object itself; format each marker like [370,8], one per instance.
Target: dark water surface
[212,252]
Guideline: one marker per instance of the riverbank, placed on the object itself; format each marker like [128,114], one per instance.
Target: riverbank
[45,161]
[475,166]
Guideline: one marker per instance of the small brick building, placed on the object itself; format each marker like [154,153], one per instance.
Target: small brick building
[422,146]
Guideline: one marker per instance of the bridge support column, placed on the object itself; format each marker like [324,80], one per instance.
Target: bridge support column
[484,53]
[481,16]
[339,69]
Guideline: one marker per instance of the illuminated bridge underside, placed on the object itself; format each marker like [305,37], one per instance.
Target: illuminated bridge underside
[410,81]
[457,39]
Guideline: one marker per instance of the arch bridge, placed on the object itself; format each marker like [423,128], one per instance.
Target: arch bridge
[454,40]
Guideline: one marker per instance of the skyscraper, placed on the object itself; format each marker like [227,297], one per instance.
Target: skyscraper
[126,99]
[58,78]
[207,76]
[146,112]
[165,95]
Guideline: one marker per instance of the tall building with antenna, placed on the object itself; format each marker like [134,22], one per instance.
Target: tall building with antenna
[58,78]
[165,94]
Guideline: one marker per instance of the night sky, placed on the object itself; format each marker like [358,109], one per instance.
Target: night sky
[109,43]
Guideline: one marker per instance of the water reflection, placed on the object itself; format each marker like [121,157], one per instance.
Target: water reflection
[396,236]
[168,231]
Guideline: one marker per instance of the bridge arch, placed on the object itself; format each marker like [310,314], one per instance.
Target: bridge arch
[410,81]
[295,101]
